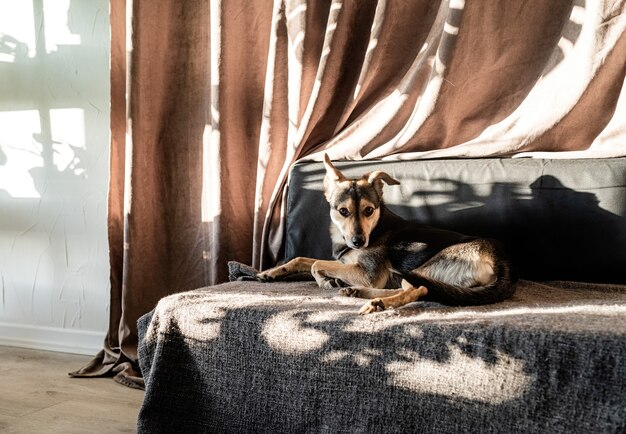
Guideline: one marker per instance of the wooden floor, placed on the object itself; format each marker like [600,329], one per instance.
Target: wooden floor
[37,396]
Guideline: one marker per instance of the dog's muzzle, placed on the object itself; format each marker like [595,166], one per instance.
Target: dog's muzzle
[357,241]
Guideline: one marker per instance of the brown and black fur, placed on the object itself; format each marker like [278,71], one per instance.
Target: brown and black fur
[392,261]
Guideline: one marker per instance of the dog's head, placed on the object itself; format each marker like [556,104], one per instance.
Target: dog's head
[355,203]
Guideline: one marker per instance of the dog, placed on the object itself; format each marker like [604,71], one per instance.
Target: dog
[392,261]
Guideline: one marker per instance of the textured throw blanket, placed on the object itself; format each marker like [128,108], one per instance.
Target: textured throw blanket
[291,357]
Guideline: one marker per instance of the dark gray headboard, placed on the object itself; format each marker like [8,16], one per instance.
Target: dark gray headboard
[560,219]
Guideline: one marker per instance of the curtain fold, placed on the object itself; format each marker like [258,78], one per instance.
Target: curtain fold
[212,101]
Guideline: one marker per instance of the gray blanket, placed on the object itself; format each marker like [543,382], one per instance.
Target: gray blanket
[289,357]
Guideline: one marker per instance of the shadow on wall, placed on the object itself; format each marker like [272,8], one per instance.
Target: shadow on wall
[52,106]
[54,133]
[551,231]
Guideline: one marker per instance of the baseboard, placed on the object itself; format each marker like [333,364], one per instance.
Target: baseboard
[51,338]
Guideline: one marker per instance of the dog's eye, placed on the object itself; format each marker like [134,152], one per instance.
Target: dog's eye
[344,212]
[368,211]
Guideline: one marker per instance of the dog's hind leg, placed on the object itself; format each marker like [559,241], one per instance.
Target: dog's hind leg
[405,296]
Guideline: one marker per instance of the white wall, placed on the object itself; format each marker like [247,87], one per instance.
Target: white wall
[54,135]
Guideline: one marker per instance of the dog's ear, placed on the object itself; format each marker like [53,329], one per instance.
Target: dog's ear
[333,176]
[332,173]
[376,179]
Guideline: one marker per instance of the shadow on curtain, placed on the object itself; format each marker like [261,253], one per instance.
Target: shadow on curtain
[213,101]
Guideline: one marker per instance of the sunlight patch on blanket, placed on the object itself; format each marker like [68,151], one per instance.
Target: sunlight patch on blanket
[462,376]
[195,321]
[285,333]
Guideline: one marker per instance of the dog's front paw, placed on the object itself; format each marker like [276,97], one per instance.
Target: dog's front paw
[264,277]
[375,305]
[271,275]
[350,291]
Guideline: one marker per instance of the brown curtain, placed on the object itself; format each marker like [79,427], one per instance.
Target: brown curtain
[212,101]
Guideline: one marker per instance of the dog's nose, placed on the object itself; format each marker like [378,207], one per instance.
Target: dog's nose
[358,241]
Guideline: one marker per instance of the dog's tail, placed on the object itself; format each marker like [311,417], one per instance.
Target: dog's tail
[500,289]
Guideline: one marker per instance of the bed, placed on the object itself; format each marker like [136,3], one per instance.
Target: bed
[245,356]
